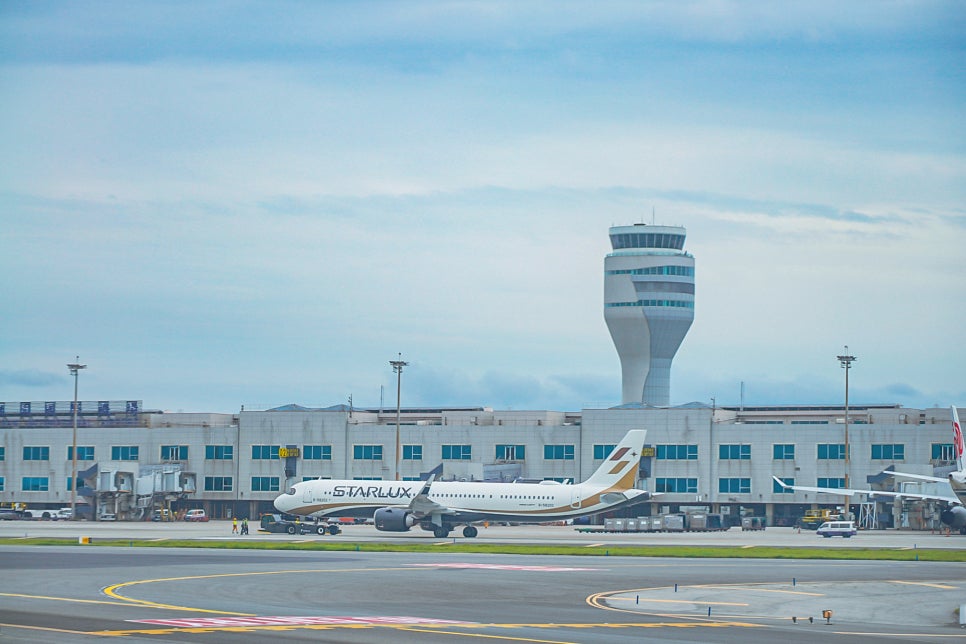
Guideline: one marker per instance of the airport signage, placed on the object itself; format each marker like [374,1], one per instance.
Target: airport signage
[288,452]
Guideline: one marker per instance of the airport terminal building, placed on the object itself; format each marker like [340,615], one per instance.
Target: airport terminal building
[131,461]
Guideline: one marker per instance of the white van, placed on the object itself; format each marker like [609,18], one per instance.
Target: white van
[837,529]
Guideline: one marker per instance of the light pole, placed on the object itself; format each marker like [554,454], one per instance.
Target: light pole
[397,366]
[846,361]
[75,368]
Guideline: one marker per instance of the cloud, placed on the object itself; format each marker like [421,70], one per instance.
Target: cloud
[29,378]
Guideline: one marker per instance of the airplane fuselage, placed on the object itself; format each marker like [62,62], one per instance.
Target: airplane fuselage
[397,506]
[522,502]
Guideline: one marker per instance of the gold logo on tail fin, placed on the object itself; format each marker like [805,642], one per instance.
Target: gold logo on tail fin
[619,467]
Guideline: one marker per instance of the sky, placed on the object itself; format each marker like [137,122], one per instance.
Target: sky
[227,204]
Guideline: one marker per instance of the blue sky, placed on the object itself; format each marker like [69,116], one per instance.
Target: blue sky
[220,204]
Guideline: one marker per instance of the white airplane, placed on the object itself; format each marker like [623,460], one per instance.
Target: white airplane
[439,506]
[954,514]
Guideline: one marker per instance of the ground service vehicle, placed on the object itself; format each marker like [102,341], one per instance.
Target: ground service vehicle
[814,518]
[752,523]
[293,525]
[831,529]
[14,511]
[195,515]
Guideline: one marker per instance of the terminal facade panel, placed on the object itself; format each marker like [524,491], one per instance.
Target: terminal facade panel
[719,459]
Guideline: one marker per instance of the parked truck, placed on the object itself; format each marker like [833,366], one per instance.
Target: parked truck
[278,523]
[814,518]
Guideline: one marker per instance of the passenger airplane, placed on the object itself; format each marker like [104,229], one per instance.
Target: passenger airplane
[439,506]
[954,515]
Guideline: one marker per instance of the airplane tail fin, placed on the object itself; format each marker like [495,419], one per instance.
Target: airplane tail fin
[959,447]
[619,470]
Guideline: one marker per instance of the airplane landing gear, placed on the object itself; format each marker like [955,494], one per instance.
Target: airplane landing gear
[470,531]
[440,532]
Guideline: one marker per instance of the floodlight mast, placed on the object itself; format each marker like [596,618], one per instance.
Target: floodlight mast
[75,368]
[846,361]
[397,367]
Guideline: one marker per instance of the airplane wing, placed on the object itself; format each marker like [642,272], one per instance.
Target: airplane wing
[852,492]
[422,505]
[917,477]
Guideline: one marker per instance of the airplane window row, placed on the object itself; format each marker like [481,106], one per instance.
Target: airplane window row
[483,496]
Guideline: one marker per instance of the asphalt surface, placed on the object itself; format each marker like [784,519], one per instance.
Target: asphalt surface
[532,534]
[81,594]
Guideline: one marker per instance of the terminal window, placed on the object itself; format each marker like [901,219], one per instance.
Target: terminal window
[783,452]
[218,484]
[832,451]
[677,453]
[734,486]
[264,484]
[219,452]
[832,483]
[174,452]
[317,452]
[940,452]
[34,483]
[2,484]
[676,485]
[124,453]
[412,453]
[558,452]
[889,452]
[367,452]
[36,453]
[3,453]
[84,452]
[734,452]
[457,452]
[265,452]
[511,452]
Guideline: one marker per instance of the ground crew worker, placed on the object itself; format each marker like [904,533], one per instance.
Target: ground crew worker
[234,525]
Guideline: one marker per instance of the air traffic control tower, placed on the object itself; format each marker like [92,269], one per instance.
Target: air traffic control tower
[648,306]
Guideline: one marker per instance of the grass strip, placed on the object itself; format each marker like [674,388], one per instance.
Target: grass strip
[717,552]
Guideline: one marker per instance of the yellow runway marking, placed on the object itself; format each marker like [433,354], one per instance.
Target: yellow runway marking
[46,629]
[677,601]
[451,629]
[593,545]
[64,599]
[924,583]
[112,591]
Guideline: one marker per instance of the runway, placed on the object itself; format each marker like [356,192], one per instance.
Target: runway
[523,534]
[81,594]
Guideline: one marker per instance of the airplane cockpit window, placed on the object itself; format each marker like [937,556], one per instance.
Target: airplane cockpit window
[291,490]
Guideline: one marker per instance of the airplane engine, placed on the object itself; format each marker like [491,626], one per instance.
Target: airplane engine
[955,518]
[393,520]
